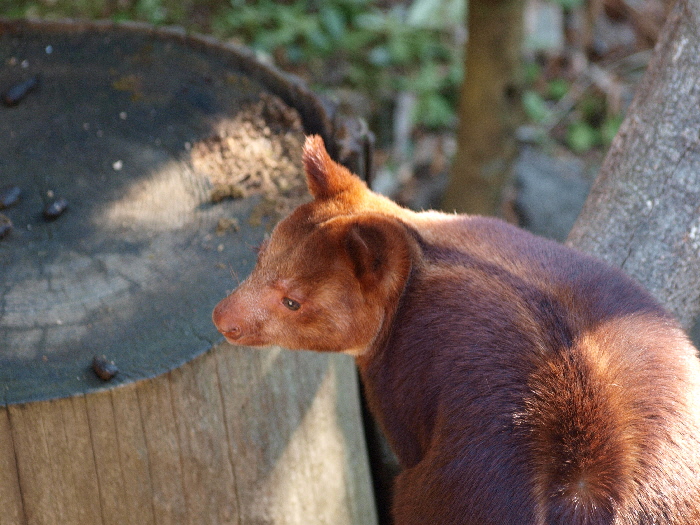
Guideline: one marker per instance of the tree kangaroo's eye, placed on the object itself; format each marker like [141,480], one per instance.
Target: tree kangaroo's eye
[291,304]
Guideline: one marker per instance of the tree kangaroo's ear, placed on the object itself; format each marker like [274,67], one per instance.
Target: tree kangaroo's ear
[380,250]
[325,177]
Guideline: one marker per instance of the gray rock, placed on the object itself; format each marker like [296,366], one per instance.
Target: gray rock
[550,191]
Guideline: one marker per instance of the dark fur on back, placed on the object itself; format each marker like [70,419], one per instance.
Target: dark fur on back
[502,353]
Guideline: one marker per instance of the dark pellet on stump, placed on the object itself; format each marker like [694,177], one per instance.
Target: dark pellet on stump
[9,195]
[5,226]
[18,92]
[103,368]
[55,209]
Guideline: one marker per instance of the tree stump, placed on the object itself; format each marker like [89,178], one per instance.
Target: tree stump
[149,135]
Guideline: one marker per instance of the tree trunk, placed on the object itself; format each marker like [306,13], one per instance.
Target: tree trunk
[643,212]
[489,107]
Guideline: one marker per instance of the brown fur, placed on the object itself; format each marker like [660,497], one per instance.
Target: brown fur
[518,381]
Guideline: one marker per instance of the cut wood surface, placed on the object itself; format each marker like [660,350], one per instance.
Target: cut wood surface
[643,213]
[134,265]
[137,128]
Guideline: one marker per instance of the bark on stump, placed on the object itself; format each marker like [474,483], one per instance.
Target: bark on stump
[125,125]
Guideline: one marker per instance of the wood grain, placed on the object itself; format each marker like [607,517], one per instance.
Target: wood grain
[10,495]
[236,436]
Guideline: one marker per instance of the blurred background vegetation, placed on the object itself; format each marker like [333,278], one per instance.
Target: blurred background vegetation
[371,48]
[400,64]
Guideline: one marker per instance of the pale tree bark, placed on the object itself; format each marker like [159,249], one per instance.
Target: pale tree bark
[489,107]
[643,213]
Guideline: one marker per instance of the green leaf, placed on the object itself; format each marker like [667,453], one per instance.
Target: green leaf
[592,107]
[569,4]
[535,106]
[320,41]
[533,71]
[557,88]
[609,128]
[372,21]
[379,56]
[333,22]
[436,13]
[434,111]
[581,137]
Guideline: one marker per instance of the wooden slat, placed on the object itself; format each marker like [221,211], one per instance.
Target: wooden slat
[236,436]
[260,419]
[106,451]
[76,462]
[162,444]
[40,492]
[54,458]
[207,466]
[294,462]
[12,512]
[346,417]
[133,457]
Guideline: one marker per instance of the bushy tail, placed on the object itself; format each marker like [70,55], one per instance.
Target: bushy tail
[584,441]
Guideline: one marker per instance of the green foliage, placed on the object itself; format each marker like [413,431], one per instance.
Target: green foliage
[609,128]
[11,9]
[532,72]
[535,106]
[351,43]
[334,43]
[569,4]
[582,122]
[581,136]
[557,88]
[152,11]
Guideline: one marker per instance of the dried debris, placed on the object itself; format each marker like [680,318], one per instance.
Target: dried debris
[54,209]
[258,152]
[226,225]
[104,368]
[15,94]
[9,196]
[5,226]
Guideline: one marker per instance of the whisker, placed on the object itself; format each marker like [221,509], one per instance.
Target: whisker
[234,275]
[259,247]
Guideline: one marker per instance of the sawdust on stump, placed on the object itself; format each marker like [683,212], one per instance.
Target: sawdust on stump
[258,152]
